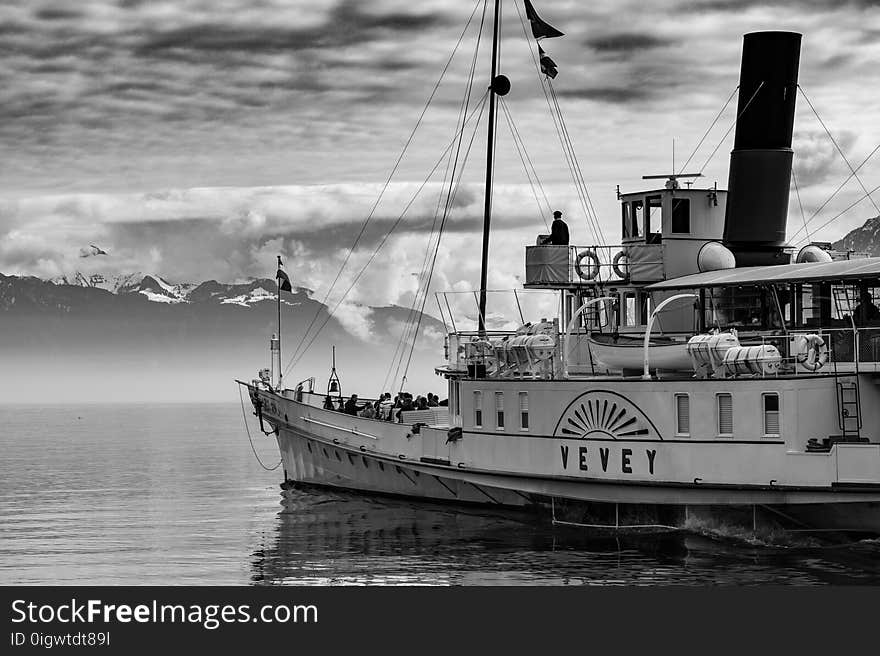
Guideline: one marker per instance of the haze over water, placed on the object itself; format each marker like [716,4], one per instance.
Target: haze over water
[172,494]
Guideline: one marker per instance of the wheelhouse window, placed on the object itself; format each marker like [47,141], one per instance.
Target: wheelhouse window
[681,216]
[682,414]
[654,218]
[725,415]
[478,409]
[626,211]
[638,218]
[455,398]
[499,410]
[771,414]
[524,411]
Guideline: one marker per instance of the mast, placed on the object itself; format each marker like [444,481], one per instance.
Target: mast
[278,294]
[487,213]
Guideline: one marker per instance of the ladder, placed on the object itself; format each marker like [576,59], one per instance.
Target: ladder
[849,410]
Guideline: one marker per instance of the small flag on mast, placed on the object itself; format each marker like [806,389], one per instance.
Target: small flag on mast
[540,29]
[283,280]
[548,66]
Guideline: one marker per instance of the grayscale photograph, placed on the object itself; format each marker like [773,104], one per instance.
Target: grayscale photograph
[438,293]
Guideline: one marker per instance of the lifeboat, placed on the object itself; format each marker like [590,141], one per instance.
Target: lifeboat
[628,352]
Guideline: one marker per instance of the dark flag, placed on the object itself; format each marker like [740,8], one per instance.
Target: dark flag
[540,29]
[283,280]
[548,66]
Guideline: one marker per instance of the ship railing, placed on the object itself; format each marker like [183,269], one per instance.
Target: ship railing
[506,309]
[848,349]
[554,266]
[490,354]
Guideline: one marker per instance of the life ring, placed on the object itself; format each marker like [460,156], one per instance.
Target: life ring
[816,355]
[592,268]
[622,273]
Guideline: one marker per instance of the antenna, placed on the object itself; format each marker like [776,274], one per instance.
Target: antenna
[672,178]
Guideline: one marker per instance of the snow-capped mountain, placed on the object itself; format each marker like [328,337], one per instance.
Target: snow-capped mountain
[158,290]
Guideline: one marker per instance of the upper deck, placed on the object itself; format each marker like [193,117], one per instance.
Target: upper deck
[662,233]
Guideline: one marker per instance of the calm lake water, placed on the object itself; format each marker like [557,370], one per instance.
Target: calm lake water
[172,494]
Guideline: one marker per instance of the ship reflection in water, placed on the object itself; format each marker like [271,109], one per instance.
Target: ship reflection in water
[329,538]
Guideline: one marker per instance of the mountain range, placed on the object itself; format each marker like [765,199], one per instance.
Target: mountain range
[865,239]
[139,337]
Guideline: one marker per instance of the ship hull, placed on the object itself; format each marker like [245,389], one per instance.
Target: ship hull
[309,460]
[332,449]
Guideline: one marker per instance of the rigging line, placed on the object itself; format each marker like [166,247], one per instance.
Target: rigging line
[447,211]
[453,192]
[390,176]
[580,183]
[798,192]
[534,172]
[842,185]
[465,103]
[247,428]
[580,174]
[839,150]
[836,216]
[436,251]
[706,134]
[594,219]
[566,154]
[375,252]
[522,159]
[733,125]
[380,245]
[553,114]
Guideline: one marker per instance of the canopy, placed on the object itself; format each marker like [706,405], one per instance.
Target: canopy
[784,273]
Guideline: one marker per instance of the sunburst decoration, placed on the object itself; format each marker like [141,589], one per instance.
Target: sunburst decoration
[607,414]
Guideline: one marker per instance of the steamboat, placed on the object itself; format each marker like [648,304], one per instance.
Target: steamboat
[701,365]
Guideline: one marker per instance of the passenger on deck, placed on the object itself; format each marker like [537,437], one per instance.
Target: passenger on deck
[328,403]
[385,404]
[866,313]
[351,406]
[433,400]
[369,412]
[341,407]
[558,231]
[422,403]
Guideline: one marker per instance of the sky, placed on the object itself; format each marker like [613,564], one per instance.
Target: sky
[198,139]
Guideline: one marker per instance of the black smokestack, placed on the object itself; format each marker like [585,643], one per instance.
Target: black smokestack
[760,164]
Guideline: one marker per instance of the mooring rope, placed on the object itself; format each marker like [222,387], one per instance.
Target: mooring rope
[248,430]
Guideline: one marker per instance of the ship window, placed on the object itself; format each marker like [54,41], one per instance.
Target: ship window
[682,414]
[478,409]
[681,215]
[725,415]
[638,218]
[741,307]
[456,399]
[524,410]
[626,209]
[499,410]
[771,414]
[653,218]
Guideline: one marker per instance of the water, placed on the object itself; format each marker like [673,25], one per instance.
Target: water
[172,494]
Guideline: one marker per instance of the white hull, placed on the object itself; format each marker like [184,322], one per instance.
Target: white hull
[332,449]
